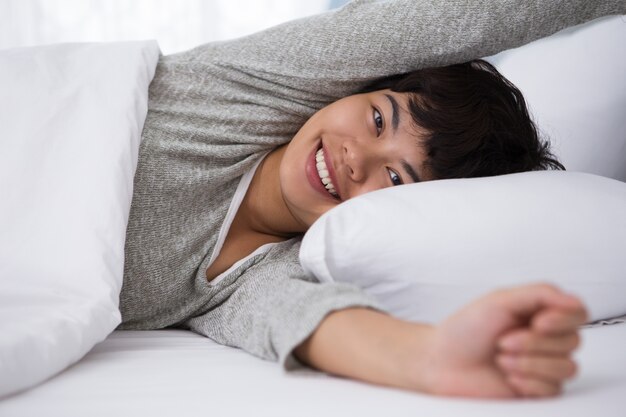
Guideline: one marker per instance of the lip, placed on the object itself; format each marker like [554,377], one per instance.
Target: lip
[314,178]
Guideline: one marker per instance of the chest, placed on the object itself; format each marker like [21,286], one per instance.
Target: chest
[240,242]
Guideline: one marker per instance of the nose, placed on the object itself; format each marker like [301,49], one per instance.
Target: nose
[358,157]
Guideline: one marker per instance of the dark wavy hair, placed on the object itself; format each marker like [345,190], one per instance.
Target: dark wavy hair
[476,121]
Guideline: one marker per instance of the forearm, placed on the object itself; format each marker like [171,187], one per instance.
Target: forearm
[465,355]
[369,39]
[371,346]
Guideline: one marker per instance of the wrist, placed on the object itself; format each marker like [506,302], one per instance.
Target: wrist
[415,361]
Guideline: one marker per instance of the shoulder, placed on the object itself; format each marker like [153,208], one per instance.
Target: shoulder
[287,250]
[282,261]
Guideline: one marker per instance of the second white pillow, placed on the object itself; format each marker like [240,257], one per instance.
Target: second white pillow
[424,250]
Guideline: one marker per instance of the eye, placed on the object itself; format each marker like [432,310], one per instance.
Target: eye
[378,121]
[395,178]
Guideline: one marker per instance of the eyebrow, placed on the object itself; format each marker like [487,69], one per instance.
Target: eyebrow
[395,113]
[395,121]
[409,169]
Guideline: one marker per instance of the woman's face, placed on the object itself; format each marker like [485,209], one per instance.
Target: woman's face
[358,144]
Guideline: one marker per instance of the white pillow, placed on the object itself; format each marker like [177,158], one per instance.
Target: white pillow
[575,85]
[426,249]
[70,125]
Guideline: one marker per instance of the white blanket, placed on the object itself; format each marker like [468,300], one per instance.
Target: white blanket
[70,125]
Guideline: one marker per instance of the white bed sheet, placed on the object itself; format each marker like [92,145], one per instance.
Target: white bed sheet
[175,372]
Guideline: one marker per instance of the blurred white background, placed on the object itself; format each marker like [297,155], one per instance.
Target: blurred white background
[176,24]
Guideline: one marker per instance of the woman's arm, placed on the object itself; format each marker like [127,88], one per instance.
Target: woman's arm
[329,54]
[270,310]
[514,342]
[261,88]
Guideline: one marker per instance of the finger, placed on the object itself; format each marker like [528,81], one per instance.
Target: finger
[529,342]
[530,387]
[550,368]
[559,321]
[528,299]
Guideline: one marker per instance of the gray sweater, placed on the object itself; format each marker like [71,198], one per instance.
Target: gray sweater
[215,110]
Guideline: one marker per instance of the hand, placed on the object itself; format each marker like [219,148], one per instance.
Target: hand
[509,343]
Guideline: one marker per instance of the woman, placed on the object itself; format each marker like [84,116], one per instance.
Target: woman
[226,183]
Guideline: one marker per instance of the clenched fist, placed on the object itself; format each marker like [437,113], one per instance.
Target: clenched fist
[516,342]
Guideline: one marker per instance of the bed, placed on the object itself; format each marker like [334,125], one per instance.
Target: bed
[59,351]
[166,372]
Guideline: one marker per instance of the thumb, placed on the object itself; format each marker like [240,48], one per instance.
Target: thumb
[526,300]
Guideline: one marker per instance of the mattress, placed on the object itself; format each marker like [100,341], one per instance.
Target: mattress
[176,372]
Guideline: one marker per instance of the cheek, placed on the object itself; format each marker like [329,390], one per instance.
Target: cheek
[347,123]
[338,119]
[288,172]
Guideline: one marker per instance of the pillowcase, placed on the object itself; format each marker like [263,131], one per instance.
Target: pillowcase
[71,117]
[575,87]
[425,250]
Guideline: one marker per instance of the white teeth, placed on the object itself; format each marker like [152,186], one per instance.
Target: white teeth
[322,171]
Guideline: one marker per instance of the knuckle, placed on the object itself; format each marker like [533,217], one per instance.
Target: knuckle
[523,341]
[527,342]
[523,364]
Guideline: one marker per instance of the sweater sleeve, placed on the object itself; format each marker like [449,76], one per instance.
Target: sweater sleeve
[258,90]
[273,307]
[328,56]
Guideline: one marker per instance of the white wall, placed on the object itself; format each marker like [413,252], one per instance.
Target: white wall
[176,24]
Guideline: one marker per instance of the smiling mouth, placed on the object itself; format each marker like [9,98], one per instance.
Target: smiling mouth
[323,173]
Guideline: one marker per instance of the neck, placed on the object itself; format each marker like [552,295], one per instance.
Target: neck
[263,206]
